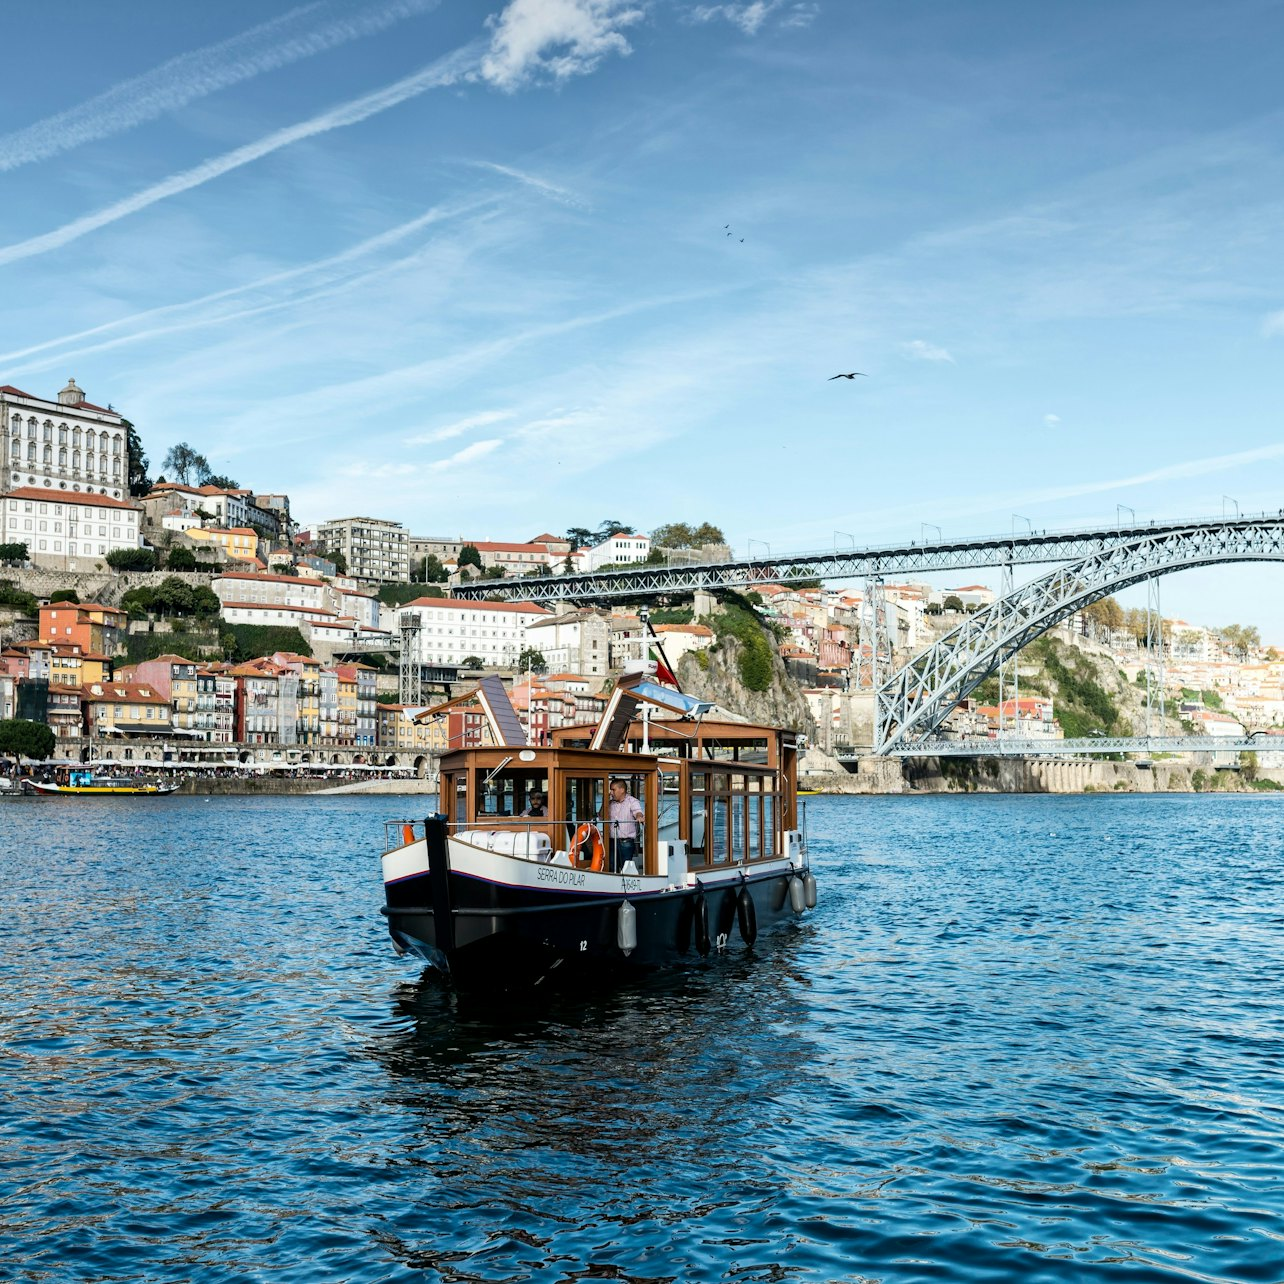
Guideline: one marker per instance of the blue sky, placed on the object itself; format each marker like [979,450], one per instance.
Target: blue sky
[465,265]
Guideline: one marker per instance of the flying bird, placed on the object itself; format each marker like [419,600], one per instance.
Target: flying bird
[853,375]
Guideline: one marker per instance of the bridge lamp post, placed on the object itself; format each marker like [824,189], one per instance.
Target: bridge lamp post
[1226,499]
[1119,512]
[924,527]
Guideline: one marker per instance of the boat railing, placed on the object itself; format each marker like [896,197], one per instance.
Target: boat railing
[520,837]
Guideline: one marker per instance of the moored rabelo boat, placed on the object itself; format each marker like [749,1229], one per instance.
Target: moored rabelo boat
[703,851]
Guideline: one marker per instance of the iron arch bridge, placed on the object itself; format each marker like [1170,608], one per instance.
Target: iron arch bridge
[916,699]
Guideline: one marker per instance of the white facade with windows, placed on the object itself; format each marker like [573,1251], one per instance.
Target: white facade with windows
[66,445]
[375,551]
[578,643]
[450,629]
[67,532]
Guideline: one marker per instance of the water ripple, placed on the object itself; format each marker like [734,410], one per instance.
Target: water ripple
[1030,1039]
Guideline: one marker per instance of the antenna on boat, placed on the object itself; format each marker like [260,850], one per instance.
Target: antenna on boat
[502,764]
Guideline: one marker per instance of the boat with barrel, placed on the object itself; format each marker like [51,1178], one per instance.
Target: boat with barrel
[77,783]
[664,833]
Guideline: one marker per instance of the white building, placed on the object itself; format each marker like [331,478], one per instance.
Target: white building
[451,629]
[65,531]
[65,445]
[375,550]
[578,643]
[275,590]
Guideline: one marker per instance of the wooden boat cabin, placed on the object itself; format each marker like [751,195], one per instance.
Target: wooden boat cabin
[724,791]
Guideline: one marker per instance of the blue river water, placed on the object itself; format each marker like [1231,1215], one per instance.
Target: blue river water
[1020,1038]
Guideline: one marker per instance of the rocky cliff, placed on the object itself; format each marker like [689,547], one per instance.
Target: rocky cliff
[771,697]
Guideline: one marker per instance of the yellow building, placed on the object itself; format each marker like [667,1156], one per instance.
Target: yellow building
[347,684]
[124,709]
[398,730]
[240,543]
[69,666]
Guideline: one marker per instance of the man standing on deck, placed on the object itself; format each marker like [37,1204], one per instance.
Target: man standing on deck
[623,813]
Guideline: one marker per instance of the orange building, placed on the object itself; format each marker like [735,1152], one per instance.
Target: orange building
[91,627]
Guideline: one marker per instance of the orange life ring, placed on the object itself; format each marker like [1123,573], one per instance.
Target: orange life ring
[407,834]
[589,836]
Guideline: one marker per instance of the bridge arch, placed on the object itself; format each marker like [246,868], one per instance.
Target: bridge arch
[918,697]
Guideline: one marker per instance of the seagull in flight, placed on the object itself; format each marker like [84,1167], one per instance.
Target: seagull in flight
[853,375]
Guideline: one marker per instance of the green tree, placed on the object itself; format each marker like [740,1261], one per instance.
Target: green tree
[249,641]
[470,555]
[220,480]
[472,662]
[12,595]
[681,535]
[21,738]
[1241,639]
[64,595]
[181,559]
[579,537]
[336,556]
[953,603]
[434,572]
[132,559]
[13,552]
[139,482]
[186,463]
[608,528]
[533,660]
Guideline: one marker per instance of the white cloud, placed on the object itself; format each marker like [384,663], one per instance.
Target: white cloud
[1051,420]
[555,38]
[468,454]
[925,351]
[1273,325]
[194,75]
[444,71]
[750,15]
[459,427]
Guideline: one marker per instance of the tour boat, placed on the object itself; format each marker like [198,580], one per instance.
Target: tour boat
[83,783]
[499,900]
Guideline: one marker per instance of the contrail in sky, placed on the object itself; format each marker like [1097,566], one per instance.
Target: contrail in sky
[444,71]
[204,71]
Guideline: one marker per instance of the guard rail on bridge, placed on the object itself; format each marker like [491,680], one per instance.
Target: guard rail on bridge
[1045,747]
[916,557]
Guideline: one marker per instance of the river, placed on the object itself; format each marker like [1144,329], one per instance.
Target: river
[1020,1038]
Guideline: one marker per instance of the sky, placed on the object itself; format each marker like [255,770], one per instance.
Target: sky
[491,269]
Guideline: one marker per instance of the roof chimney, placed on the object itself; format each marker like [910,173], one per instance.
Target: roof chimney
[71,395]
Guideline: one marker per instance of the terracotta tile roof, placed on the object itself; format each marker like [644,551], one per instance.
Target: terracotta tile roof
[68,497]
[280,606]
[458,603]
[16,392]
[271,579]
[123,693]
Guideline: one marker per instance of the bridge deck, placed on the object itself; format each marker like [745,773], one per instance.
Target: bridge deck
[916,557]
[1042,747]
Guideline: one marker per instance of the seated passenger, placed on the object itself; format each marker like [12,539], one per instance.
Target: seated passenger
[535,807]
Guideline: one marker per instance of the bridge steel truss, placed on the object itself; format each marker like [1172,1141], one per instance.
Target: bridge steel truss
[913,702]
[640,583]
[1089,746]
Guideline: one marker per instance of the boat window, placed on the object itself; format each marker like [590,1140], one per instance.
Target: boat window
[507,793]
[768,824]
[585,798]
[669,819]
[718,850]
[739,803]
[754,805]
